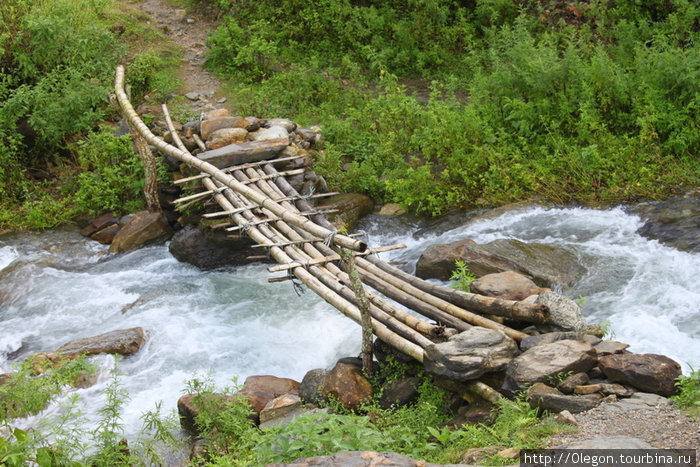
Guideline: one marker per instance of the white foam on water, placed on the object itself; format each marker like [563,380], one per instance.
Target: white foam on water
[7,255]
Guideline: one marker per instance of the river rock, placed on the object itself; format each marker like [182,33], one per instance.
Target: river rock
[508,285]
[122,342]
[571,382]
[241,153]
[279,407]
[350,207]
[274,132]
[101,222]
[287,124]
[675,221]
[209,126]
[346,383]
[216,113]
[610,347]
[544,397]
[543,362]
[261,389]
[308,390]
[546,265]
[144,228]
[547,338]
[106,235]
[210,249]
[400,392]
[470,354]
[647,372]
[564,313]
[226,136]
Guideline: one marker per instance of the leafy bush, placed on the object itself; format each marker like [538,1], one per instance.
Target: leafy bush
[590,104]
[28,391]
[111,174]
[688,397]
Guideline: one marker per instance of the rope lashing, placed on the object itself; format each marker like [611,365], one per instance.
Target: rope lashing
[296,284]
[329,238]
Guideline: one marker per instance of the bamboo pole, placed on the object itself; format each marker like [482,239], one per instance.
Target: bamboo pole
[347,308]
[419,325]
[226,179]
[443,305]
[399,321]
[518,310]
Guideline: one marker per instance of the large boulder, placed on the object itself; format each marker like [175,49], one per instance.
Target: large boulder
[647,372]
[209,249]
[400,392]
[189,406]
[240,153]
[508,285]
[350,207]
[675,221]
[261,389]
[546,265]
[308,390]
[122,342]
[346,384]
[470,354]
[564,314]
[541,363]
[144,228]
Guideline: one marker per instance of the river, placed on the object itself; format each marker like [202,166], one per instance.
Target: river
[57,286]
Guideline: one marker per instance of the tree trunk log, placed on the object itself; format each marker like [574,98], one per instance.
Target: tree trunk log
[517,310]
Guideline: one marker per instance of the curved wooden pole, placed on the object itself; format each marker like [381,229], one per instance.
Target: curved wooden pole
[227,180]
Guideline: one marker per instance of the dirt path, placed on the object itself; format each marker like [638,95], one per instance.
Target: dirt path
[189,32]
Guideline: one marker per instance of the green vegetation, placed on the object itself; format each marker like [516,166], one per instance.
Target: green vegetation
[232,439]
[688,397]
[462,277]
[57,61]
[439,104]
[34,385]
[229,433]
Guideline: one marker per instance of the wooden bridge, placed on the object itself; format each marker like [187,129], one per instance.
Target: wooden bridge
[260,202]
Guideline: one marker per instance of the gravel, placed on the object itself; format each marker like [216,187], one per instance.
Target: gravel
[644,416]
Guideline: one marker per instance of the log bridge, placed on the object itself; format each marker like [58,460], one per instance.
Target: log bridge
[259,201]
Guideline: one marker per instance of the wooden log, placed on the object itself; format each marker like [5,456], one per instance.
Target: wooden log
[387,308]
[439,303]
[363,305]
[517,310]
[483,391]
[380,330]
[333,257]
[230,182]
[239,167]
[416,323]
[432,312]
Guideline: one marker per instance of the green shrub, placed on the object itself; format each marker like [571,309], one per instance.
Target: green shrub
[688,397]
[111,177]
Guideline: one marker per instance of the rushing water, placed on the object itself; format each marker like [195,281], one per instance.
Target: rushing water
[57,286]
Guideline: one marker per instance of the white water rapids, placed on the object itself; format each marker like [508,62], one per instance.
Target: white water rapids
[57,286]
